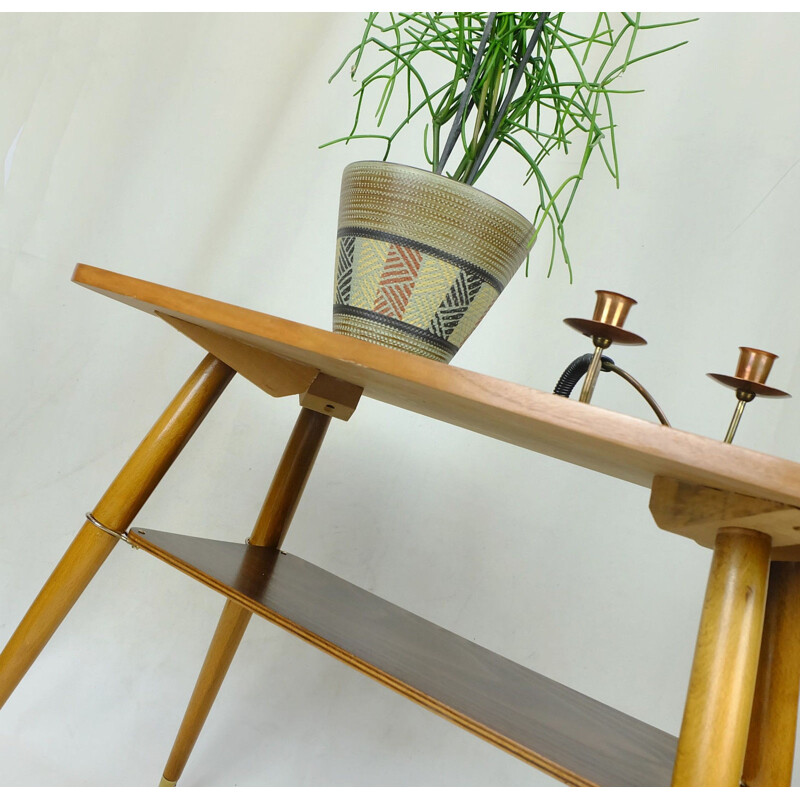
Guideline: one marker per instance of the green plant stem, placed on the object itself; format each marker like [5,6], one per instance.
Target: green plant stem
[511,89]
[555,96]
[465,95]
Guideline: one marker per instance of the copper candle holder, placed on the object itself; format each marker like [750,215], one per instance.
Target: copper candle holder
[749,382]
[610,312]
[604,328]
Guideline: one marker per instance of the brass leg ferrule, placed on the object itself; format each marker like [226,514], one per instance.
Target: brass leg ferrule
[165,782]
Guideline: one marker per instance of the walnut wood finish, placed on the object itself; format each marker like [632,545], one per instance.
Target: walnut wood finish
[631,449]
[716,717]
[116,509]
[269,531]
[566,734]
[773,723]
[791,553]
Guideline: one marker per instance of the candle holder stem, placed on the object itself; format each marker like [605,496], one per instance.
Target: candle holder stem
[744,398]
[590,381]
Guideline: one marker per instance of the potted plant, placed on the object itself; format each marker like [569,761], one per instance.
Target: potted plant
[422,254]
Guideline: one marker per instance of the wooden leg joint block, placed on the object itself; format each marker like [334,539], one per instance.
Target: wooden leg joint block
[331,396]
[700,512]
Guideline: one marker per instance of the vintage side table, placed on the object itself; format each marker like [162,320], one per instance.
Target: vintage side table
[741,710]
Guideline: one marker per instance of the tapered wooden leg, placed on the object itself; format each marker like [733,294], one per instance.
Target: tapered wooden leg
[270,530]
[773,723]
[116,510]
[713,735]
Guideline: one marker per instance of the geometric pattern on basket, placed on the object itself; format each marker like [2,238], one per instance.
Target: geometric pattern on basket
[455,304]
[390,333]
[420,257]
[477,310]
[368,262]
[394,291]
[344,269]
[400,271]
[435,278]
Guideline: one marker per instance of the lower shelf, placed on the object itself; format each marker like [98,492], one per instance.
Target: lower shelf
[564,733]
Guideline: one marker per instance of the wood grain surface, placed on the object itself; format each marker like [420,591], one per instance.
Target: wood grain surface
[562,732]
[270,373]
[270,529]
[699,512]
[773,723]
[631,449]
[116,509]
[716,716]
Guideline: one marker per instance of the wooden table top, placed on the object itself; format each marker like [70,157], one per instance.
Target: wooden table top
[283,357]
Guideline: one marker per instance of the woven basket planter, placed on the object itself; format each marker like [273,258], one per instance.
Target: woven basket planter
[420,257]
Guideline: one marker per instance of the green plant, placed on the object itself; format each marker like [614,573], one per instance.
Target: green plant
[524,80]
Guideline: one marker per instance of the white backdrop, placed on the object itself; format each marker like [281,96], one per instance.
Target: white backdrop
[182,149]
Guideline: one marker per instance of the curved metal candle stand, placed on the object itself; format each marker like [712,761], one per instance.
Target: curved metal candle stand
[606,328]
[578,368]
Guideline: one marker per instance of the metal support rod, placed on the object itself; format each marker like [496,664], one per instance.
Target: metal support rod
[587,390]
[610,366]
[744,398]
[737,415]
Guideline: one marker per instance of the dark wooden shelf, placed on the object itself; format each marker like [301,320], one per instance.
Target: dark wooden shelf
[560,731]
